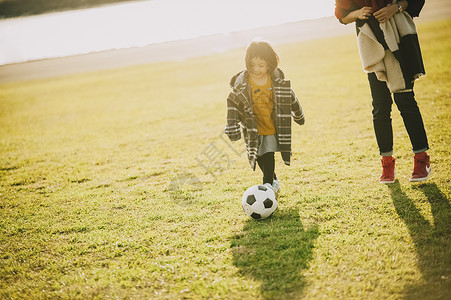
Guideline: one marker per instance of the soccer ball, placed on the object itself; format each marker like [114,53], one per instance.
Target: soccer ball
[259,202]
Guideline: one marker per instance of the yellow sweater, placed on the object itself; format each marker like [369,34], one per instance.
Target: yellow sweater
[263,104]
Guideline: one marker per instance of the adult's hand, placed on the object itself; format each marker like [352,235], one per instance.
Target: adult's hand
[385,13]
[362,14]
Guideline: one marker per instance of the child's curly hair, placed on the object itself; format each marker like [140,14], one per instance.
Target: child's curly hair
[263,50]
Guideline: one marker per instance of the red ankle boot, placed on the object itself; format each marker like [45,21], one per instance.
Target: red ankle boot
[421,168]
[388,169]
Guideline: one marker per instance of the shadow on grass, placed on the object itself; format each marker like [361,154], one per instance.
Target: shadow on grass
[432,242]
[275,252]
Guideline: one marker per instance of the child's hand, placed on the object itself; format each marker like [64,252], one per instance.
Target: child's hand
[383,14]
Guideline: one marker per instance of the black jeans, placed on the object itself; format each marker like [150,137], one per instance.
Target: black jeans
[267,164]
[410,113]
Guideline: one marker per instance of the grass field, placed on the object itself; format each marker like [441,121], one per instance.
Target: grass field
[120,184]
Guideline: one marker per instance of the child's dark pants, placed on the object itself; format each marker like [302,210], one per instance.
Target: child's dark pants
[266,162]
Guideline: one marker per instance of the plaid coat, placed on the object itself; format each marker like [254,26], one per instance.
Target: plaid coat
[240,115]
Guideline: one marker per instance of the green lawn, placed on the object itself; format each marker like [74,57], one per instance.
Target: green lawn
[120,184]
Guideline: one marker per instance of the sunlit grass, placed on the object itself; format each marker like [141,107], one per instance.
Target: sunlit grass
[102,193]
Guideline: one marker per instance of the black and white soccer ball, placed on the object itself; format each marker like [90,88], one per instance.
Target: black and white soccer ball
[259,202]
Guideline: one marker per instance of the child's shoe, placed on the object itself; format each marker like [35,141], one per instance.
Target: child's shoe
[388,169]
[276,186]
[269,186]
[421,168]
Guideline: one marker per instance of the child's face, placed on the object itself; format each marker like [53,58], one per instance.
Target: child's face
[258,68]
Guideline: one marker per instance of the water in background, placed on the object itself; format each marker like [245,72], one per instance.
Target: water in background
[142,23]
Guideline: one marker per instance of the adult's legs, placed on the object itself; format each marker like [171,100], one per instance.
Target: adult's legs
[382,122]
[413,121]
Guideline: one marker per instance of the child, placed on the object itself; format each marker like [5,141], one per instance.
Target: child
[262,103]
